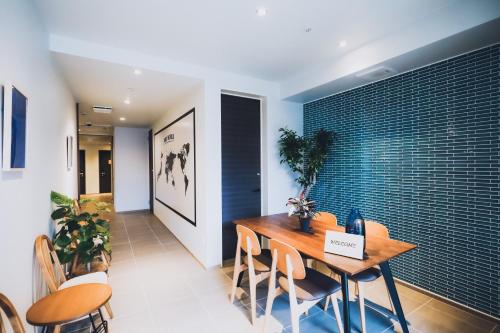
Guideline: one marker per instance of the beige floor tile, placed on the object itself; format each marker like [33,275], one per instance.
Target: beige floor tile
[431,320]
[186,315]
[129,302]
[139,322]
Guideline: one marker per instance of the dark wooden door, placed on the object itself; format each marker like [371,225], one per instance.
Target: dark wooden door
[104,171]
[240,127]
[81,178]
[151,171]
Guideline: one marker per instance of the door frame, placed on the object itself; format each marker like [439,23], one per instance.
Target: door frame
[263,150]
[112,150]
[263,156]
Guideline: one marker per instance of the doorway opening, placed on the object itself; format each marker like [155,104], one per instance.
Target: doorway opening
[241,165]
[96,166]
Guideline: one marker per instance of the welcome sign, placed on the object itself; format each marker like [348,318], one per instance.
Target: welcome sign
[344,244]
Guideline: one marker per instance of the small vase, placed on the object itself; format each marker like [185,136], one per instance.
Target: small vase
[305,224]
[355,224]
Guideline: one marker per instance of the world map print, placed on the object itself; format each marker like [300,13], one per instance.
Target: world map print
[171,157]
[174,167]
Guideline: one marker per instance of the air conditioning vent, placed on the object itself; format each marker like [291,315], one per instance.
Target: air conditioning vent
[376,73]
[102,109]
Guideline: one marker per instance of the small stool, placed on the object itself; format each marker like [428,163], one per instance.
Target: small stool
[69,304]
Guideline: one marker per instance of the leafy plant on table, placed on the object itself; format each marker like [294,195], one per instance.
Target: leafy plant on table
[301,207]
[82,236]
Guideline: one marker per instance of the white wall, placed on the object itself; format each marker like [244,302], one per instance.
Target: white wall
[205,242]
[193,238]
[25,196]
[131,165]
[92,166]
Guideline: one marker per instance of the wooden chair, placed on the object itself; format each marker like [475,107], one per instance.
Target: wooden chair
[302,283]
[8,309]
[255,260]
[53,272]
[373,229]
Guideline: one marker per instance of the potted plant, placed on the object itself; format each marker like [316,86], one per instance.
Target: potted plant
[81,237]
[305,157]
[303,209]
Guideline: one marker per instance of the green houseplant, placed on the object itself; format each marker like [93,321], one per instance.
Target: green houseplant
[81,236]
[305,157]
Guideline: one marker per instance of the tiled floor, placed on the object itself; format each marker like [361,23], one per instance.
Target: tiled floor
[159,287]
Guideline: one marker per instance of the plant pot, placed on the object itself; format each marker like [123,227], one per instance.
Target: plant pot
[305,224]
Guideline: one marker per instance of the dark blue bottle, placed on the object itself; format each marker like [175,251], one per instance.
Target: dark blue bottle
[355,224]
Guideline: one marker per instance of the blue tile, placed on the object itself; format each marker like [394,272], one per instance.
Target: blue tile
[420,152]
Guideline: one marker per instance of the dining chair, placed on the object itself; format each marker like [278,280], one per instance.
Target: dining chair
[255,259]
[373,229]
[53,272]
[9,311]
[301,283]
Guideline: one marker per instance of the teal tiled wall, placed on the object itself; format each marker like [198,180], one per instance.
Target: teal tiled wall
[420,153]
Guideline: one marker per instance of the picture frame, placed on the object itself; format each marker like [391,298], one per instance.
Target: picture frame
[69,152]
[14,118]
[175,166]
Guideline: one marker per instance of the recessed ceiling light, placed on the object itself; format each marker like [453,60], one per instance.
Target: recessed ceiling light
[123,118]
[127,101]
[137,71]
[261,11]
[342,43]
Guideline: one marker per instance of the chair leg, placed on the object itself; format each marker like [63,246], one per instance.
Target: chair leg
[236,275]
[295,315]
[327,302]
[336,312]
[109,311]
[361,298]
[253,297]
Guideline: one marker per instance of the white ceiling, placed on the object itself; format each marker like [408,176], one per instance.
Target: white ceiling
[95,82]
[227,34]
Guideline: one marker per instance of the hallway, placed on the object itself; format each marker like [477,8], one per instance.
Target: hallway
[156,281]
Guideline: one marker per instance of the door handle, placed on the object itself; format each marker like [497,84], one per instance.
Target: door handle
[256,190]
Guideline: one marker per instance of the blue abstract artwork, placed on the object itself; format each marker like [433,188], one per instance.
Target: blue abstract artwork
[18,133]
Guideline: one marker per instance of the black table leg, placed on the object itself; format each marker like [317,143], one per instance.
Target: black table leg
[94,328]
[345,298]
[240,277]
[389,281]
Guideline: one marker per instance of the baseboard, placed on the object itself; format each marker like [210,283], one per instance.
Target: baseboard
[449,301]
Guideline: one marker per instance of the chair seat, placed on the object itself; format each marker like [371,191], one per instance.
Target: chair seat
[368,275]
[315,286]
[97,277]
[262,262]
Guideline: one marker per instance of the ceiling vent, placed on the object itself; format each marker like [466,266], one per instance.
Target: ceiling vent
[376,73]
[102,109]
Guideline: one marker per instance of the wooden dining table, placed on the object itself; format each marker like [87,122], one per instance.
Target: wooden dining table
[378,251]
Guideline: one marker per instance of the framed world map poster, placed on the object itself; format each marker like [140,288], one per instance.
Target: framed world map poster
[174,162]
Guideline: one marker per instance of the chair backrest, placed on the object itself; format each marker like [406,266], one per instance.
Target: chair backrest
[375,229]
[245,233]
[10,312]
[326,217]
[283,250]
[76,207]
[46,256]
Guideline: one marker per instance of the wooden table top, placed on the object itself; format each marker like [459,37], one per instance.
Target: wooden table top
[68,304]
[284,228]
